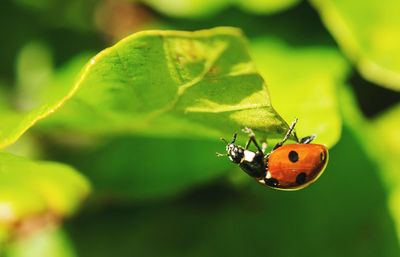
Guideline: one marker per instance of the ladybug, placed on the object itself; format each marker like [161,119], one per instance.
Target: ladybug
[286,167]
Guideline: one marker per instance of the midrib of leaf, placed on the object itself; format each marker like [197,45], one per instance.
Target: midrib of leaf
[183,87]
[228,109]
[201,76]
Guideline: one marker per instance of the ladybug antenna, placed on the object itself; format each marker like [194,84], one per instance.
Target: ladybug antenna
[223,139]
[234,138]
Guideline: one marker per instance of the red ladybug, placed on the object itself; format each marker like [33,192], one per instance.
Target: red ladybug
[286,167]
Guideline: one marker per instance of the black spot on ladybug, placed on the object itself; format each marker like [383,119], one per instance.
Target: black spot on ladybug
[301,178]
[293,156]
[272,182]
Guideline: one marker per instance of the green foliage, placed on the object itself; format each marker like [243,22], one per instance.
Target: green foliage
[48,242]
[205,8]
[239,221]
[31,189]
[163,167]
[381,144]
[385,132]
[301,86]
[204,84]
[370,36]
[386,152]
[141,121]
[75,13]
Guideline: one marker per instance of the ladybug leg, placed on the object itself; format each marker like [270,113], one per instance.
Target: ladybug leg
[296,137]
[304,140]
[307,140]
[264,147]
[252,138]
[288,133]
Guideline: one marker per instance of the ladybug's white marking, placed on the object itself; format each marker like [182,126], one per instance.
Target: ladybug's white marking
[248,156]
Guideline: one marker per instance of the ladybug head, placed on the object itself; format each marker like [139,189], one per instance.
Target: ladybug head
[234,152]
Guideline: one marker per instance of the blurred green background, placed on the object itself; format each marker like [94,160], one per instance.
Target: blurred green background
[335,64]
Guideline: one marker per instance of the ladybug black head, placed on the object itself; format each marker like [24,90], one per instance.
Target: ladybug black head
[235,152]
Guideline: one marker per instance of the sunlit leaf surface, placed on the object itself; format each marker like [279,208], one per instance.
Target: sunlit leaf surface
[368,32]
[163,83]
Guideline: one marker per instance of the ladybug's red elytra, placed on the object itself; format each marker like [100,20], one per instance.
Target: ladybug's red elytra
[286,167]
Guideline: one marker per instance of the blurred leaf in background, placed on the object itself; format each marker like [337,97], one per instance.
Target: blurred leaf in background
[57,13]
[203,9]
[24,24]
[382,144]
[302,87]
[34,69]
[35,195]
[334,217]
[368,32]
[48,242]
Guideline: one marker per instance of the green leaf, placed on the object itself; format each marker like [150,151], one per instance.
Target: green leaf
[217,217]
[386,152]
[139,168]
[168,83]
[387,136]
[369,34]
[50,242]
[266,6]
[73,14]
[32,190]
[302,81]
[34,67]
[381,142]
[204,8]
